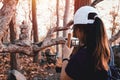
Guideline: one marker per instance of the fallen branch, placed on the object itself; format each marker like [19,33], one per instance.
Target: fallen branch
[29,50]
[49,43]
[27,47]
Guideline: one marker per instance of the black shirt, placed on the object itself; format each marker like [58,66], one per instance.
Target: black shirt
[80,67]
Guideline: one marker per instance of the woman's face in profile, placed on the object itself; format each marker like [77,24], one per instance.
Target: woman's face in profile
[79,33]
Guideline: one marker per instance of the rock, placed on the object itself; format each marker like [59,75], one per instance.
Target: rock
[18,75]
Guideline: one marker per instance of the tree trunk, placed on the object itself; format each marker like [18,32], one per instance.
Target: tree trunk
[13,56]
[79,3]
[6,12]
[65,18]
[34,21]
[35,28]
[57,22]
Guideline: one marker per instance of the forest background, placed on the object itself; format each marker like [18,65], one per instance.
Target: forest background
[31,29]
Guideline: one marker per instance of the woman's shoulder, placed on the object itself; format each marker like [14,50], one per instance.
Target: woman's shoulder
[81,52]
[82,55]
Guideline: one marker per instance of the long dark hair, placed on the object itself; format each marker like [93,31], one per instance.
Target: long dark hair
[95,38]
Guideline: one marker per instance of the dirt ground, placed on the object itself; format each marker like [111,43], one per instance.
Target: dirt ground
[32,71]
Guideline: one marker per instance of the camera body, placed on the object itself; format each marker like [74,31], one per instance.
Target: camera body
[74,41]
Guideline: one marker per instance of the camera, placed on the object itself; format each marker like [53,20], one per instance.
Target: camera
[74,41]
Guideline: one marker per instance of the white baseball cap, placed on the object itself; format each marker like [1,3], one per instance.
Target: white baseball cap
[82,14]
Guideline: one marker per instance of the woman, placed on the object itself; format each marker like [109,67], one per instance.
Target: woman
[88,61]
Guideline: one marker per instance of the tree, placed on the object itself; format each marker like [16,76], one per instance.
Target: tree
[79,3]
[34,21]
[65,17]
[13,37]
[35,27]
[57,22]
[13,56]
[6,13]
[114,13]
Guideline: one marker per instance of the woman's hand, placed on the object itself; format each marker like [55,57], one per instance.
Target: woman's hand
[66,54]
[67,51]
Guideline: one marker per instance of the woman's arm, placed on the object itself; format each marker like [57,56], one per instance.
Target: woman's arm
[66,53]
[63,75]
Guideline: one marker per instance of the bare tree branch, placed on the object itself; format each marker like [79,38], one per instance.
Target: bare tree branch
[25,45]
[30,49]
[55,29]
[96,2]
[49,43]
[115,37]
